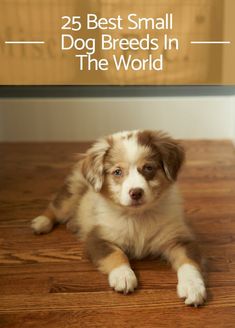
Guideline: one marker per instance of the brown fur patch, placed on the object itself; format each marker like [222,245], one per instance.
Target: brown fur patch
[182,252]
[112,261]
[62,195]
[170,152]
[102,253]
[97,248]
[193,252]
[142,168]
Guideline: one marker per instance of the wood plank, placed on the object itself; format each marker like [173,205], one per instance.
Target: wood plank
[93,281]
[133,318]
[152,299]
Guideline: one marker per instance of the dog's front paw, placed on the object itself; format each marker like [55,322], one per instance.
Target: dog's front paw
[41,224]
[191,285]
[123,279]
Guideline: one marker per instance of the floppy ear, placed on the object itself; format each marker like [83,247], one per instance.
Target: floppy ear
[93,163]
[172,157]
[170,153]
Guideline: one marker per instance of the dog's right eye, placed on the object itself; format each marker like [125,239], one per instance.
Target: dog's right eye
[117,172]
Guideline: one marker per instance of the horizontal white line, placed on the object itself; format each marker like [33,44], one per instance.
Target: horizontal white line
[210,42]
[24,42]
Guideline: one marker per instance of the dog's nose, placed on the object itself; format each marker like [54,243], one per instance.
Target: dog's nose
[136,193]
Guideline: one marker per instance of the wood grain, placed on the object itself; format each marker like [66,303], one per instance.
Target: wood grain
[48,281]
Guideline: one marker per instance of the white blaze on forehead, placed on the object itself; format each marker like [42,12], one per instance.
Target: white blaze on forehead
[128,141]
[133,149]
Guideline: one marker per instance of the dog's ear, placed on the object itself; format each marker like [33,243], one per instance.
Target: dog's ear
[172,157]
[93,163]
[170,153]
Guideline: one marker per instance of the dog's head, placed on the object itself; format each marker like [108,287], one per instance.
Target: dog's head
[133,168]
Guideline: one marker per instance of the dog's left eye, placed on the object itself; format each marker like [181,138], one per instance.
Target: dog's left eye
[117,172]
[148,168]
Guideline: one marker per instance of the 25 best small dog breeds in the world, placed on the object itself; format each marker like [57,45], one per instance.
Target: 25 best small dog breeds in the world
[123,199]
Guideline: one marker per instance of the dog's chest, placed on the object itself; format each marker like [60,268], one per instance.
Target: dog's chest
[133,235]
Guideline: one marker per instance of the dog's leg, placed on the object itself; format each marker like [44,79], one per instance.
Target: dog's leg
[60,209]
[113,261]
[185,259]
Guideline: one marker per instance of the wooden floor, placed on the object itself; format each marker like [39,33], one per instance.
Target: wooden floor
[46,281]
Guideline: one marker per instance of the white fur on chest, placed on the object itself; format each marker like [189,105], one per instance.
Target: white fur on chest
[131,233]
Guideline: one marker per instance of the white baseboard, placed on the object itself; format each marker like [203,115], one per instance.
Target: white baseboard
[88,118]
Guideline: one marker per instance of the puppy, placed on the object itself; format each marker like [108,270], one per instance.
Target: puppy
[123,199]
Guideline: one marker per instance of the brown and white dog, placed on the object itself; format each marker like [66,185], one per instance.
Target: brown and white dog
[123,199]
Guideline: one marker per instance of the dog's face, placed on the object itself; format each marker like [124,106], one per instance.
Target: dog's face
[133,168]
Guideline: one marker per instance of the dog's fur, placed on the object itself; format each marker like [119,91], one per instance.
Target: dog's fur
[123,199]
